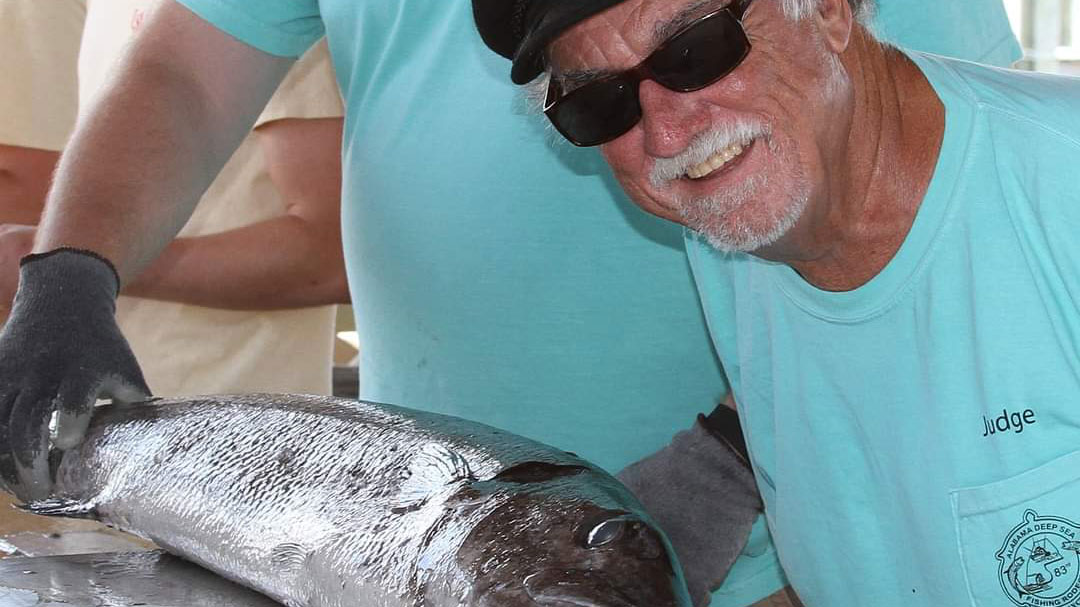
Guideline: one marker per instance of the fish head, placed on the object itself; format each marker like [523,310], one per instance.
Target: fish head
[568,535]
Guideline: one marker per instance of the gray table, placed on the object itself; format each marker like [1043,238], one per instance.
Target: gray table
[127,579]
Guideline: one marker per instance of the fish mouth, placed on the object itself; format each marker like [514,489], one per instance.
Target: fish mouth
[573,588]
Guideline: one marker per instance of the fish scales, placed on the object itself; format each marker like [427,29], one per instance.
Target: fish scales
[324,502]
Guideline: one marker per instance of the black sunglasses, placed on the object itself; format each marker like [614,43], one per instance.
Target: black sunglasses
[696,56]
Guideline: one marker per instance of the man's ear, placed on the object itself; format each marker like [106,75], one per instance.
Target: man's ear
[836,21]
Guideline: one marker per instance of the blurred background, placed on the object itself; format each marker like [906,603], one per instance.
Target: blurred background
[1049,31]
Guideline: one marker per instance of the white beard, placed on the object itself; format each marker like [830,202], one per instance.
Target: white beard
[716,218]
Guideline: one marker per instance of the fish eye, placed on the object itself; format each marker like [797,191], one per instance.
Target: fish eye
[605,533]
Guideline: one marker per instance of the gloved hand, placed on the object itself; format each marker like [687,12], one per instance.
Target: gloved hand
[702,493]
[60,350]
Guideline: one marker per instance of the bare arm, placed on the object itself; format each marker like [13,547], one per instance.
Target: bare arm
[179,102]
[294,260]
[782,598]
[24,179]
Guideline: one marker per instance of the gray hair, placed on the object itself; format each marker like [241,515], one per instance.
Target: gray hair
[799,9]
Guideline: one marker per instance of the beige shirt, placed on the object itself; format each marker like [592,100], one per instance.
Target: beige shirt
[39,44]
[185,349]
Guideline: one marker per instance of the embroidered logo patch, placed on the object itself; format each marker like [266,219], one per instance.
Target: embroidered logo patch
[1040,562]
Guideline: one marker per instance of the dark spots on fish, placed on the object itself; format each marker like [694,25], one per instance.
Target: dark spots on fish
[286,455]
[537,472]
[407,508]
[182,444]
[177,446]
[357,477]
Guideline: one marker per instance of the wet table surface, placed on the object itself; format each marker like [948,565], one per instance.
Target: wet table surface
[125,579]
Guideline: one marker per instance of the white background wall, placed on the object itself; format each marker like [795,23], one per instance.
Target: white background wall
[1046,29]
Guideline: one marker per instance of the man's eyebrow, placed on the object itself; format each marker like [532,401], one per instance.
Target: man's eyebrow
[572,79]
[685,17]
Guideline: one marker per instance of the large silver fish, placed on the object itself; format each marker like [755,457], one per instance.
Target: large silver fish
[322,502]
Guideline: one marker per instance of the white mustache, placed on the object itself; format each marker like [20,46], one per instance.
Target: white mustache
[705,145]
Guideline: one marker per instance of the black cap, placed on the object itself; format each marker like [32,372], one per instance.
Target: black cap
[520,29]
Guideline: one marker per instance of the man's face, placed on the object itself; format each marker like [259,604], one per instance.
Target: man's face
[742,160]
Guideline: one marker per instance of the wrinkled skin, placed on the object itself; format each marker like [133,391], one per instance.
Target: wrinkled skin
[839,135]
[784,84]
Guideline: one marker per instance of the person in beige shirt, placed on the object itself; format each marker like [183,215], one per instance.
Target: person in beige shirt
[240,302]
[39,45]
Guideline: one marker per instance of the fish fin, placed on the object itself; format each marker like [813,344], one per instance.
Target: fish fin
[429,471]
[56,506]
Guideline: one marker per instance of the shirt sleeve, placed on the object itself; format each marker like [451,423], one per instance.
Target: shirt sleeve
[39,49]
[309,90]
[973,30]
[285,28]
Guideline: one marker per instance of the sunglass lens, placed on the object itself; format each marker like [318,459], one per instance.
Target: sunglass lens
[701,54]
[598,112]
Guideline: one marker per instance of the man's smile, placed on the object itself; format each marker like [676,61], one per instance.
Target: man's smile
[717,161]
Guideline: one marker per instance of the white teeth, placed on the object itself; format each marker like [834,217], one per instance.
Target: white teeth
[715,161]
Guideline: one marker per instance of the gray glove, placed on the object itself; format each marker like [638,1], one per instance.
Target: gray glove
[60,350]
[702,493]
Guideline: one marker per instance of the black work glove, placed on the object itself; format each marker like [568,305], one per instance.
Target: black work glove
[702,493]
[60,350]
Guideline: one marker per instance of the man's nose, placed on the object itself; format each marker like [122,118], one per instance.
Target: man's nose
[668,119]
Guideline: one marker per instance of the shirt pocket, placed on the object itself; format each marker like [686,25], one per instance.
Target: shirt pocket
[1019,538]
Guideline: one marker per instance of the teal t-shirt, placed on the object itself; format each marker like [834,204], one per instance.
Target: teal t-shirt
[494,275]
[973,30]
[497,275]
[917,440]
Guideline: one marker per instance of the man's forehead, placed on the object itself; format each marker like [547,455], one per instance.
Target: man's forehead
[684,16]
[634,27]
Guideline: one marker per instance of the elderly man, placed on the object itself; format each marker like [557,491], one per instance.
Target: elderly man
[884,246]
[526,296]
[39,47]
